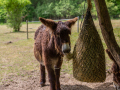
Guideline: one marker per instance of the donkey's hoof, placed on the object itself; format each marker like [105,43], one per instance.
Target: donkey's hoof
[42,84]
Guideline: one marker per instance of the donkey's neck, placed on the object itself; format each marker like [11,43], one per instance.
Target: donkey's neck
[51,44]
[51,48]
[54,47]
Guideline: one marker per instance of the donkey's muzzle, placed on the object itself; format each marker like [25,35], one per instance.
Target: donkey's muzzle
[66,47]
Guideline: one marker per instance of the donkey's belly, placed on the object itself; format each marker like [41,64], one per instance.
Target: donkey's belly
[37,55]
[54,62]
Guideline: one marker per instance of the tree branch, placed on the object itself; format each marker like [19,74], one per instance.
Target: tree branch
[107,29]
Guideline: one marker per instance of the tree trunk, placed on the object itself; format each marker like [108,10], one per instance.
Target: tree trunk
[107,29]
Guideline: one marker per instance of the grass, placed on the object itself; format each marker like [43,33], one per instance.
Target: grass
[18,57]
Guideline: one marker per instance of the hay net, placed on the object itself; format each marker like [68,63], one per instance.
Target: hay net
[89,56]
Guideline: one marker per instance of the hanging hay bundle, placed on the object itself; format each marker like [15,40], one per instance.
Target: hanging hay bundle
[89,57]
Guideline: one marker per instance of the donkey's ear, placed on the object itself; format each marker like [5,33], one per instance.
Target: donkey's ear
[69,23]
[49,23]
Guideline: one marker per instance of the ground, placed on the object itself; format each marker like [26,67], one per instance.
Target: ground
[68,82]
[19,70]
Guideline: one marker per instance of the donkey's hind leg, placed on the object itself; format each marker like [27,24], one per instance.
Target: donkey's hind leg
[42,75]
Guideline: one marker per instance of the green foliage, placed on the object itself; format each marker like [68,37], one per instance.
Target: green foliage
[2,12]
[43,10]
[113,8]
[29,12]
[115,1]
[14,9]
[59,8]
[55,9]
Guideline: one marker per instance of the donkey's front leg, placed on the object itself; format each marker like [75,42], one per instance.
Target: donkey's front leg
[51,76]
[42,75]
[57,73]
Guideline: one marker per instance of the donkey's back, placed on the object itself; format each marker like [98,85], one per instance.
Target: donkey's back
[41,40]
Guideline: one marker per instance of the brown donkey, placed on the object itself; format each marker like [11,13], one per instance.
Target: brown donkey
[115,70]
[52,41]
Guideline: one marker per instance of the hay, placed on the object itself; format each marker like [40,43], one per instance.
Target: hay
[89,56]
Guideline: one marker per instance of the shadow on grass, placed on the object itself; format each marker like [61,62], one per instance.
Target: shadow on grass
[104,86]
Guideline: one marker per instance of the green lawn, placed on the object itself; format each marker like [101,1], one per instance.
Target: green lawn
[18,57]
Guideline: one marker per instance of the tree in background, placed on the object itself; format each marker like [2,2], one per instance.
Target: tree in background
[2,13]
[29,13]
[113,8]
[14,9]
[56,9]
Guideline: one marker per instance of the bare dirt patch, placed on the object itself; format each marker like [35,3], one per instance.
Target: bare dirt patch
[16,82]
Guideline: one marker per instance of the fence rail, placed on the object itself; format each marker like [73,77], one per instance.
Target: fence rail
[54,20]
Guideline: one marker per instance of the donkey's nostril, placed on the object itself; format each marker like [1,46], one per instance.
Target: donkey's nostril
[66,51]
[66,47]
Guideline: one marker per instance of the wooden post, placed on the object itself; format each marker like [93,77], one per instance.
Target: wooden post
[27,28]
[89,4]
[107,29]
[78,25]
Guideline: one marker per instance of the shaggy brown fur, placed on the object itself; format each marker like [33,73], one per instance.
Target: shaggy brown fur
[51,42]
[115,70]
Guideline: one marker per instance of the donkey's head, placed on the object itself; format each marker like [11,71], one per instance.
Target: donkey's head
[60,31]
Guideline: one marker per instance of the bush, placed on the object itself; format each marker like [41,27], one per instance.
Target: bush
[14,10]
